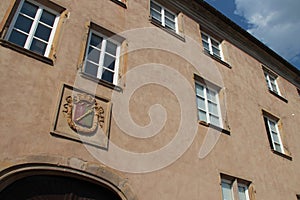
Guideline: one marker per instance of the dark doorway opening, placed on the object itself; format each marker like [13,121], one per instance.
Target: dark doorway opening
[46,187]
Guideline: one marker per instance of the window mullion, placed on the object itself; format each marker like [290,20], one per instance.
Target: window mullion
[210,45]
[101,60]
[33,28]
[163,16]
[206,104]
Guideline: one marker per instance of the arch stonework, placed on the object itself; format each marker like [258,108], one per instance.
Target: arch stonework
[12,170]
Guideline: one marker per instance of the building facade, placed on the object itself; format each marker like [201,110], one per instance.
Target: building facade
[143,99]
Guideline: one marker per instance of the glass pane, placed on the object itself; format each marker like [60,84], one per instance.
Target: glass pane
[215,43]
[226,191]
[91,69]
[202,115]
[205,45]
[156,15]
[107,75]
[96,41]
[211,95]
[272,126]
[242,193]
[93,55]
[29,9]
[43,32]
[201,103]
[17,38]
[274,87]
[214,120]
[216,52]
[38,46]
[275,137]
[111,48]
[277,147]
[169,15]
[47,18]
[204,37]
[170,24]
[200,90]
[213,108]
[23,23]
[109,62]
[155,7]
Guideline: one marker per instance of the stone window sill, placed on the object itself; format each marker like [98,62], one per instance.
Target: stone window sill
[102,82]
[170,31]
[120,3]
[26,52]
[278,96]
[282,155]
[227,132]
[217,59]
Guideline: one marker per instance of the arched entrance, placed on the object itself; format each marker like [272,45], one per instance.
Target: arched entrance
[45,177]
[49,187]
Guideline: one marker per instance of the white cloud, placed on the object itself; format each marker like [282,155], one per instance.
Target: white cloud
[276,23]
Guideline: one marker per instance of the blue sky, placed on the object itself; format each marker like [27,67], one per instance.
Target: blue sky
[274,22]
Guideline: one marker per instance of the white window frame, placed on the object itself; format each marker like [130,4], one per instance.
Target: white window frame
[163,9]
[269,77]
[206,104]
[277,132]
[210,45]
[246,190]
[101,59]
[34,25]
[231,188]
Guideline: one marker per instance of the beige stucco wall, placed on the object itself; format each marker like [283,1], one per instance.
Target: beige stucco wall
[30,94]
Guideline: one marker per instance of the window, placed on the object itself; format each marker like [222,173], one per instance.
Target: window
[271,82]
[208,105]
[102,57]
[163,16]
[243,192]
[227,190]
[274,136]
[33,27]
[211,45]
[231,184]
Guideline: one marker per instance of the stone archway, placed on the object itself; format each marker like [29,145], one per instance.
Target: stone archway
[48,178]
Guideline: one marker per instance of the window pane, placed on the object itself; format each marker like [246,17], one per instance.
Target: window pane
[201,103]
[199,90]
[202,115]
[277,147]
[155,7]
[214,120]
[272,126]
[43,32]
[23,23]
[170,15]
[47,18]
[205,45]
[107,75]
[109,62]
[226,191]
[29,9]
[215,43]
[111,48]
[17,38]
[242,193]
[93,55]
[38,46]
[204,37]
[156,15]
[170,24]
[91,69]
[96,41]
[211,95]
[275,137]
[216,52]
[213,108]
